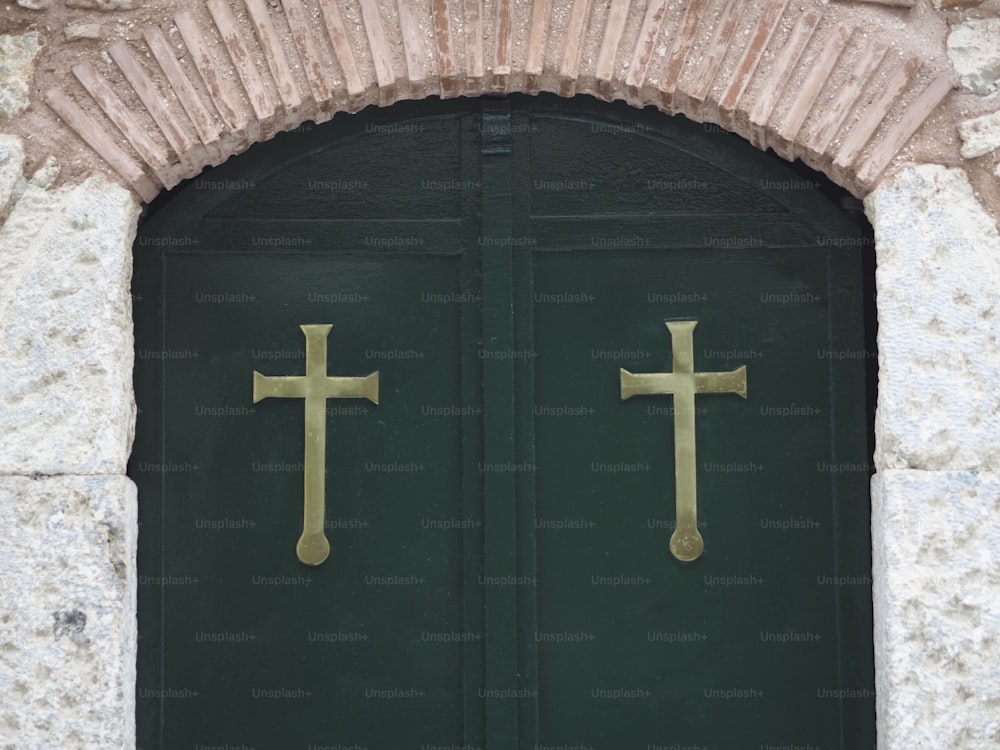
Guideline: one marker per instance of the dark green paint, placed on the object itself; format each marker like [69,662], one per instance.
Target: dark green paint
[498,261]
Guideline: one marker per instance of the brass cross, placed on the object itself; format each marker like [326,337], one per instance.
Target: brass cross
[683,383]
[315,387]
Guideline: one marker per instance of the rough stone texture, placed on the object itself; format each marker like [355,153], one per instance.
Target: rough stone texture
[936,559]
[951,4]
[34,4]
[17,69]
[974,49]
[66,402]
[82,31]
[938,292]
[891,3]
[980,135]
[67,612]
[12,182]
[101,4]
[44,176]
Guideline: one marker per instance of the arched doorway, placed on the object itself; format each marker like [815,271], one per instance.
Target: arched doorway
[501,571]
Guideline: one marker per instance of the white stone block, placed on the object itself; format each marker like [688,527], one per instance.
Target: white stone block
[980,135]
[75,31]
[67,612]
[17,53]
[66,404]
[12,180]
[974,49]
[938,292]
[936,559]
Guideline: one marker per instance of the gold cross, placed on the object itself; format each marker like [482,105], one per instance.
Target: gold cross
[315,387]
[683,383]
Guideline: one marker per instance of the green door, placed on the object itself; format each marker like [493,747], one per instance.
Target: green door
[500,572]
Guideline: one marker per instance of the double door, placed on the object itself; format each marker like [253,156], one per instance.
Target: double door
[500,573]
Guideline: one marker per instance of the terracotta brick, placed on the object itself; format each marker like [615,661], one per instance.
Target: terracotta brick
[98,139]
[385,77]
[809,91]
[904,128]
[205,124]
[684,39]
[166,119]
[341,43]
[312,63]
[755,50]
[152,152]
[253,85]
[873,113]
[224,99]
[474,57]
[836,112]
[413,45]
[447,63]
[537,40]
[576,33]
[608,56]
[715,52]
[502,50]
[834,116]
[784,65]
[274,54]
[645,46]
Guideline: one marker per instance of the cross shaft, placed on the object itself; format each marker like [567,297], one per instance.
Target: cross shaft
[315,387]
[686,543]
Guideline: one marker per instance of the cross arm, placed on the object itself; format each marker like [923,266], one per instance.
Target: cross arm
[652,383]
[734,381]
[345,387]
[285,386]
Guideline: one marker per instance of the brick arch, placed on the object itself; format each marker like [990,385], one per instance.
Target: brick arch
[808,80]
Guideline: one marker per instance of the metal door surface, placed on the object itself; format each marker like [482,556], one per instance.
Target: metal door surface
[500,569]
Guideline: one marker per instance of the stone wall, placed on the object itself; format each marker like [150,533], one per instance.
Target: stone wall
[67,554]
[936,496]
[105,102]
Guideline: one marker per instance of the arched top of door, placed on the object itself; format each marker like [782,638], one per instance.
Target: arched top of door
[841,87]
[675,181]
